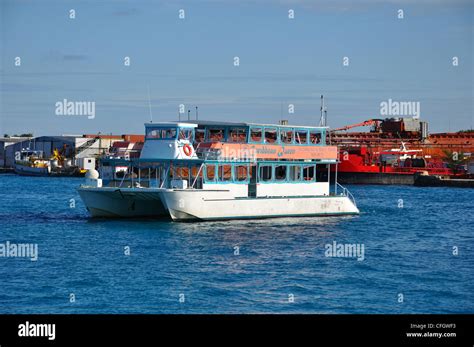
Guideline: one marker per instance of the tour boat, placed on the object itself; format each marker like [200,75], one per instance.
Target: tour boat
[207,170]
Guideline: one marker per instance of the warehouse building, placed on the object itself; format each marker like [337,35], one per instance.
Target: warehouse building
[77,147]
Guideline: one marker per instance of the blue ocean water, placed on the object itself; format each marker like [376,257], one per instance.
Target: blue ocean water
[408,235]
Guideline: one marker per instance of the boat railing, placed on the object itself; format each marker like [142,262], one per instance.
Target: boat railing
[345,192]
[123,179]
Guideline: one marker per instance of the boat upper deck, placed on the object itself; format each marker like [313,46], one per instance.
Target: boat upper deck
[237,132]
[235,141]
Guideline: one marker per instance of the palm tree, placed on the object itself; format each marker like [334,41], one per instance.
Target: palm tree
[454,159]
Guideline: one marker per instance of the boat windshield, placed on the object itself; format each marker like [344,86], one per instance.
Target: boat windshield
[186,134]
[161,133]
[199,135]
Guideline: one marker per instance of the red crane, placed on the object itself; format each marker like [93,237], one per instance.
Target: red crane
[371,122]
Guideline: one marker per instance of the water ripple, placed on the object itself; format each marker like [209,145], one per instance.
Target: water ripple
[281,266]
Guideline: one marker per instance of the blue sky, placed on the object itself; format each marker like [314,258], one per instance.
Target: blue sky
[190,61]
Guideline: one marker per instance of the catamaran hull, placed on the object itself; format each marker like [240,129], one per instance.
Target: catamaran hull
[188,205]
[123,202]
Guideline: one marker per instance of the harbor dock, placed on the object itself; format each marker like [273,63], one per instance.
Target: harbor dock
[440,181]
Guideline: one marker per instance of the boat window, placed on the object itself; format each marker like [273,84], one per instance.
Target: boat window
[256,134]
[161,133]
[323,136]
[199,135]
[154,133]
[237,135]
[280,172]
[185,134]
[225,173]
[322,174]
[195,170]
[215,134]
[295,173]
[265,173]
[315,137]
[308,173]
[286,135]
[210,172]
[169,133]
[301,137]
[180,172]
[270,135]
[241,173]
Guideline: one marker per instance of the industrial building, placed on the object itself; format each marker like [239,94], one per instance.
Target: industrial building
[76,147]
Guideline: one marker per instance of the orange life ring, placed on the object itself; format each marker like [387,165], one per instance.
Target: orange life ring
[187,149]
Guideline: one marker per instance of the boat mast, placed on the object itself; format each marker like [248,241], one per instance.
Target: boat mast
[322,121]
[149,105]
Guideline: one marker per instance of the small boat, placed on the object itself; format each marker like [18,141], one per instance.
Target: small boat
[32,163]
[205,170]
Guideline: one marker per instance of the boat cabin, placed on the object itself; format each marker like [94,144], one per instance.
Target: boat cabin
[168,141]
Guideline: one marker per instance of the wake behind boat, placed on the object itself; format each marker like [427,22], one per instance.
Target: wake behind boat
[205,170]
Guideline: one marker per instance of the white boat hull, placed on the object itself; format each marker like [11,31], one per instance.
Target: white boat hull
[123,202]
[187,205]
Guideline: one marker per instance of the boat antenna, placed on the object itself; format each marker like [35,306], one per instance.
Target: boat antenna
[322,121]
[196,113]
[281,110]
[149,105]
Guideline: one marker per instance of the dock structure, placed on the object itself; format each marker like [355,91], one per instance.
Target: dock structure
[440,181]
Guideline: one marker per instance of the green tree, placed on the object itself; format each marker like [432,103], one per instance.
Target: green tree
[454,159]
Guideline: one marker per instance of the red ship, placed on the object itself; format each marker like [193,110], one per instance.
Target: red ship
[396,149]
